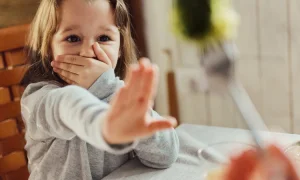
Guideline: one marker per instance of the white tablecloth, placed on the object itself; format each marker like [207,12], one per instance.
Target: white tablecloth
[188,166]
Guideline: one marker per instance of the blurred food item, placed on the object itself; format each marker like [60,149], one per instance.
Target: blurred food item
[204,21]
[274,165]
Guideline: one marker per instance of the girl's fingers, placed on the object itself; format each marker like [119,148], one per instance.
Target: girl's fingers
[75,69]
[134,82]
[128,80]
[159,125]
[76,60]
[71,59]
[146,90]
[129,75]
[147,86]
[68,80]
[144,63]
[101,55]
[121,97]
[144,78]
[66,74]
[140,83]
[119,102]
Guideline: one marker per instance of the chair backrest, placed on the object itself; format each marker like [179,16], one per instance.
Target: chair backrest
[13,162]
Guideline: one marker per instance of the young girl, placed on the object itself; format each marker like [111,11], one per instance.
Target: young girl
[78,49]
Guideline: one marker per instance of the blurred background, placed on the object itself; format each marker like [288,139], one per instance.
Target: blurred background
[268,65]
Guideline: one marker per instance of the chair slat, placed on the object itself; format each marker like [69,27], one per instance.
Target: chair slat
[13,37]
[17,92]
[10,110]
[12,162]
[11,144]
[8,128]
[4,95]
[13,76]
[15,57]
[1,62]
[20,174]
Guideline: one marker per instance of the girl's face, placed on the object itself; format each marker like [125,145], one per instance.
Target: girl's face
[81,25]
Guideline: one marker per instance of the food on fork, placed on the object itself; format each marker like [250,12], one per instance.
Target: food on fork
[252,165]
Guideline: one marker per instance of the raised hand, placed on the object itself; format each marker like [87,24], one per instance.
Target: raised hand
[128,118]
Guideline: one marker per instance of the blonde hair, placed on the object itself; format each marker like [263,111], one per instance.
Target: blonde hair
[43,28]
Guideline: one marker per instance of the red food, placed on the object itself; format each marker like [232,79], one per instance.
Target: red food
[249,163]
[242,167]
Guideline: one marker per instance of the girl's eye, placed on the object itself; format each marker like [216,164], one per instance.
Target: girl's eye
[73,39]
[104,38]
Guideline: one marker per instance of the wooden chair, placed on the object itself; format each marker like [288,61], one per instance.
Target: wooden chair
[13,162]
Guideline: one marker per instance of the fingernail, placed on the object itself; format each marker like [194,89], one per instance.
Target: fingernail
[145,61]
[96,44]
[134,67]
[57,58]
[173,121]
[53,63]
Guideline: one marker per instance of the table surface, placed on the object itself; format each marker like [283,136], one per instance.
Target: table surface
[188,165]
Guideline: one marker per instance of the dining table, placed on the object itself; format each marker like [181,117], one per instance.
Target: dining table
[190,165]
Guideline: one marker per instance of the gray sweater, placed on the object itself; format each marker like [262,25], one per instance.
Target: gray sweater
[63,133]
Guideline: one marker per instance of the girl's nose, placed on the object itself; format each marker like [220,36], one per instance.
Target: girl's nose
[87,50]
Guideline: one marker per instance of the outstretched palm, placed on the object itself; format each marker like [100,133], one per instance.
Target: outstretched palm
[128,117]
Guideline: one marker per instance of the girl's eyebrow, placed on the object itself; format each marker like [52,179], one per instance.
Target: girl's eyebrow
[112,29]
[109,29]
[70,28]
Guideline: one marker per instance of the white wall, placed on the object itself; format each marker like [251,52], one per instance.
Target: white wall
[269,64]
